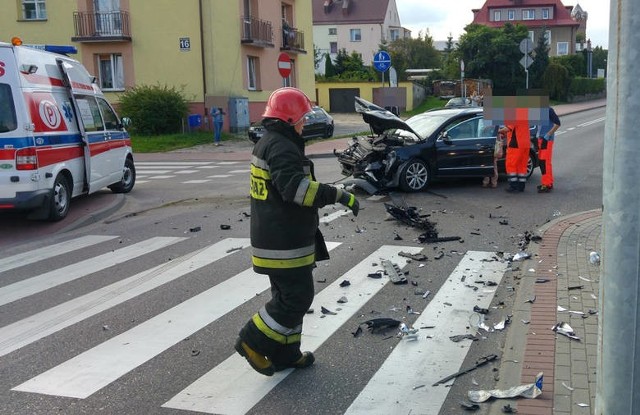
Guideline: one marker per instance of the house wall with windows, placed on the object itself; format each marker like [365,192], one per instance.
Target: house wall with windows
[213,50]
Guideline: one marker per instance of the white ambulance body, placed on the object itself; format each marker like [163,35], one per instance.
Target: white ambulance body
[59,137]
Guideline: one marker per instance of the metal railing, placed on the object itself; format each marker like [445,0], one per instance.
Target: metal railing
[97,25]
[292,39]
[256,31]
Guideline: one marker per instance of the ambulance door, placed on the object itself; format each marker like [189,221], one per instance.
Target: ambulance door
[119,141]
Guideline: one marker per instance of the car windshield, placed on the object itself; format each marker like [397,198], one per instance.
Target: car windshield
[426,124]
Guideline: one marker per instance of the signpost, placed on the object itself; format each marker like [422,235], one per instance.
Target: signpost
[382,62]
[463,90]
[526,46]
[284,65]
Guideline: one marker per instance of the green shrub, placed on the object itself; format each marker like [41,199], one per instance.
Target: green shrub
[587,86]
[557,80]
[154,109]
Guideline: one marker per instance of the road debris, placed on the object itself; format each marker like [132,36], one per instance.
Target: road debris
[415,257]
[407,332]
[594,258]
[459,337]
[566,330]
[195,229]
[521,256]
[530,391]
[382,323]
[469,406]
[507,409]
[480,362]
[345,283]
[393,271]
[343,300]
[327,311]
[225,227]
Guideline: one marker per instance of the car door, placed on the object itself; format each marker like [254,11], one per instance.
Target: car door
[465,148]
[312,125]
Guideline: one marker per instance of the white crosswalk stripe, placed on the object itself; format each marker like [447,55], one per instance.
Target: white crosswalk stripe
[232,387]
[154,170]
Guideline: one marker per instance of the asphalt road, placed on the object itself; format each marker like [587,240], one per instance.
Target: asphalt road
[138,312]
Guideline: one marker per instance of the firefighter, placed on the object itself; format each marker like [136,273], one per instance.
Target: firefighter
[285,238]
[517,154]
[546,135]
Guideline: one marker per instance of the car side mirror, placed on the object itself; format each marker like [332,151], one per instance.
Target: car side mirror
[445,137]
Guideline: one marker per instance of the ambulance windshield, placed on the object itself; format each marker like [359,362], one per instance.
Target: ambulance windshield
[8,121]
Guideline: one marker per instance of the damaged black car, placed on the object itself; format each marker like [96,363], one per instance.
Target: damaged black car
[410,154]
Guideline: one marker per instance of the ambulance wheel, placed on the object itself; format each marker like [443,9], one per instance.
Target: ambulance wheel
[60,199]
[128,178]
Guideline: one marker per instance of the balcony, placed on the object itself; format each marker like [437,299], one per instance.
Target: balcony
[101,26]
[292,40]
[256,32]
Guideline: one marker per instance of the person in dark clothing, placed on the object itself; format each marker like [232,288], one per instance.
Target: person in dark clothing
[546,136]
[286,241]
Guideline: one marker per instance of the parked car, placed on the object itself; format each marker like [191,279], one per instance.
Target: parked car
[439,143]
[317,123]
[458,102]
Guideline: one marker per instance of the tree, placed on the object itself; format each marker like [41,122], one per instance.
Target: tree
[412,53]
[329,69]
[557,80]
[540,61]
[494,53]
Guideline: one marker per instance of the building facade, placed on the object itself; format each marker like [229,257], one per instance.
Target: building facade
[356,26]
[219,53]
[564,27]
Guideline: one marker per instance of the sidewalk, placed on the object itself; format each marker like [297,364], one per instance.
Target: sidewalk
[569,365]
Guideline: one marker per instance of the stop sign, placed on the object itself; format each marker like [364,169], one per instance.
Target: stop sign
[284,65]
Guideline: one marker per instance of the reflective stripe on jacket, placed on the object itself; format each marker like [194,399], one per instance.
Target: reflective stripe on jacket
[285,198]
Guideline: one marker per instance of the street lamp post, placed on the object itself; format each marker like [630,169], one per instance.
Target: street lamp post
[589,58]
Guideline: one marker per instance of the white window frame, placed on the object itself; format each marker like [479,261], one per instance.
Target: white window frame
[355,35]
[528,14]
[511,15]
[562,48]
[496,15]
[115,71]
[545,14]
[333,31]
[39,7]
[532,36]
[252,75]
[547,36]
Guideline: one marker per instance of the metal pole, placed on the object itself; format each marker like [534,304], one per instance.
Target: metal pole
[618,361]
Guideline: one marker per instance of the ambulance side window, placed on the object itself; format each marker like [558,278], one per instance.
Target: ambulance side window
[110,117]
[90,113]
[8,121]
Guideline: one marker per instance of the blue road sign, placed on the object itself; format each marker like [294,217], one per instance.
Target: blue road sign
[381,61]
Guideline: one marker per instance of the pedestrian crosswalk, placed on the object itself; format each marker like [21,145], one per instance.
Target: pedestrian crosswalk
[230,387]
[207,171]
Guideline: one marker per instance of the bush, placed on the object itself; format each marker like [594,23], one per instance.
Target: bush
[154,109]
[587,86]
[557,80]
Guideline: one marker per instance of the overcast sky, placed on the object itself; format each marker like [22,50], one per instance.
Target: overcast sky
[444,17]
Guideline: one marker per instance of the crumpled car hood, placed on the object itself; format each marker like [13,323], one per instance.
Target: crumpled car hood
[378,118]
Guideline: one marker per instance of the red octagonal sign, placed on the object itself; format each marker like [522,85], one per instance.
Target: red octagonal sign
[284,65]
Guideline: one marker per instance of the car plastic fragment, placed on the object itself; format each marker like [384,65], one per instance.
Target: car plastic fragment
[480,310]
[408,332]
[381,323]
[327,311]
[426,294]
[469,406]
[530,391]
[343,300]
[531,300]
[393,271]
[594,258]
[425,238]
[225,227]
[409,216]
[480,362]
[415,257]
[195,229]
[460,337]
[500,325]
[566,330]
[507,409]
[521,256]
[375,275]
[345,283]
[410,310]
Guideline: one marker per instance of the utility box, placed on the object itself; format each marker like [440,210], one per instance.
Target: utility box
[238,114]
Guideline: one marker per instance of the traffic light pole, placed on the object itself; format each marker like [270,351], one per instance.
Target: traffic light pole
[618,364]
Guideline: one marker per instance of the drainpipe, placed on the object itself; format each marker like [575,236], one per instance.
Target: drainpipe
[202,57]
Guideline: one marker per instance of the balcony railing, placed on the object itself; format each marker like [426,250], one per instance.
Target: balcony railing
[292,40]
[101,26]
[256,32]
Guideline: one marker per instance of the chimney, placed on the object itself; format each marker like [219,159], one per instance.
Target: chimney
[345,7]
[327,6]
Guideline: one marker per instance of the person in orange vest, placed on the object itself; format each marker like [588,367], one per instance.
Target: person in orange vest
[546,137]
[517,153]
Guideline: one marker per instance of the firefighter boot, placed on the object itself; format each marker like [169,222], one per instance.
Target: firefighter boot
[305,360]
[258,362]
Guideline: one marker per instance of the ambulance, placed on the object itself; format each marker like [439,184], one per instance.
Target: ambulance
[59,137]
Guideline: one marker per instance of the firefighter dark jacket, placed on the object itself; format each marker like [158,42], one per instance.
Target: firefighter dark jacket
[285,198]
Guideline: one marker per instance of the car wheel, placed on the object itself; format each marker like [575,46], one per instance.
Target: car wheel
[60,199]
[414,176]
[328,133]
[128,178]
[531,164]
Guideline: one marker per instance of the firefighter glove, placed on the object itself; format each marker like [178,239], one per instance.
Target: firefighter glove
[349,200]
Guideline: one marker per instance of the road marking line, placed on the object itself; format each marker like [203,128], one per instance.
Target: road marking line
[161,177]
[233,387]
[425,361]
[196,181]
[47,322]
[227,163]
[141,181]
[94,369]
[186,171]
[588,123]
[40,254]
[219,176]
[208,167]
[33,285]
[240,171]
[152,171]
[172,163]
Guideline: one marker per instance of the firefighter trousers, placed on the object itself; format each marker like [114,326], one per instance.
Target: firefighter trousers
[545,153]
[275,331]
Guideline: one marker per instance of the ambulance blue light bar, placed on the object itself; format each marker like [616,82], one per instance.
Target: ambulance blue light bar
[60,49]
